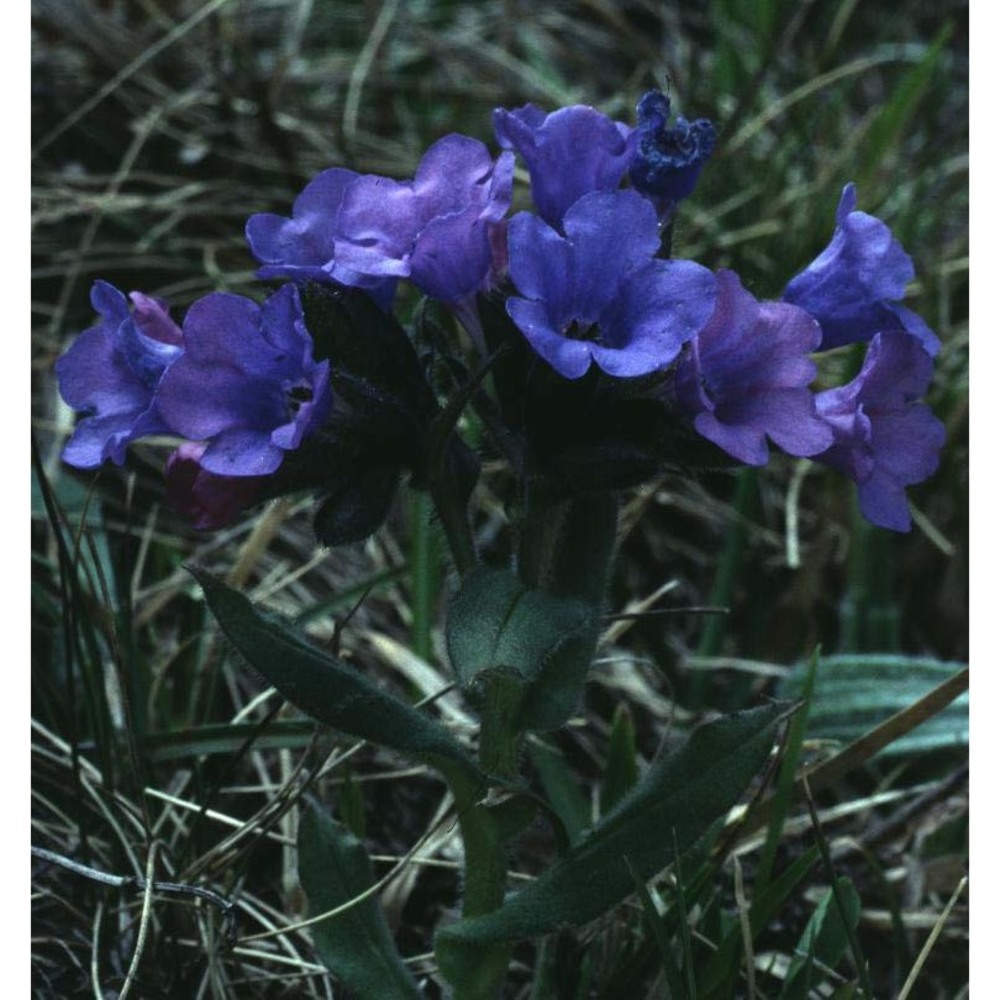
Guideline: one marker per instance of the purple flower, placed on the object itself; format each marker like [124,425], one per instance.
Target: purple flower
[303,248]
[110,374]
[437,230]
[569,153]
[247,383]
[208,501]
[668,160]
[883,438]
[745,377]
[597,293]
[854,286]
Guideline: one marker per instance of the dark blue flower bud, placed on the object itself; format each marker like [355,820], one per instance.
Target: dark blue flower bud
[668,159]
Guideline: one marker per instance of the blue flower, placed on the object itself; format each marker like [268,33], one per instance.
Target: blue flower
[854,286]
[669,159]
[745,377]
[569,153]
[439,230]
[596,293]
[247,384]
[111,372]
[884,439]
[303,248]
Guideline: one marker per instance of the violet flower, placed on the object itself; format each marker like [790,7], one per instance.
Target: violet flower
[745,377]
[883,438]
[668,160]
[207,500]
[110,374]
[854,286]
[303,248]
[366,231]
[247,383]
[569,153]
[598,294]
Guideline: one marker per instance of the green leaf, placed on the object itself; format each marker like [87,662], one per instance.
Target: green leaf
[786,776]
[824,939]
[680,796]
[496,623]
[355,945]
[324,687]
[671,975]
[853,694]
[561,788]
[723,966]
[621,771]
[846,991]
[227,737]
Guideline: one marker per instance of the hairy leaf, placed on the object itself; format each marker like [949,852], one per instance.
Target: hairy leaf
[678,799]
[497,623]
[354,945]
[324,687]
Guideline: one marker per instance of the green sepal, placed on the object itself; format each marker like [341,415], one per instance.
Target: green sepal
[326,688]
[567,543]
[496,623]
[671,808]
[355,945]
[356,506]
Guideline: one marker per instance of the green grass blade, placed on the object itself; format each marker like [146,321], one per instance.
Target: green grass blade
[824,940]
[786,776]
[621,772]
[893,120]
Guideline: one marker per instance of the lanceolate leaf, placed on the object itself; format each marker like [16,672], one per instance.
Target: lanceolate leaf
[324,687]
[678,799]
[855,693]
[355,945]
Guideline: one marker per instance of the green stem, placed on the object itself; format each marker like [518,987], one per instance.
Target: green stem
[424,574]
[478,972]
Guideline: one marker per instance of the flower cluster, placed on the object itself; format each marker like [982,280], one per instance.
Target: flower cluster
[238,378]
[602,345]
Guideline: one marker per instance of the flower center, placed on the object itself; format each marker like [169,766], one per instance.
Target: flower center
[579,331]
[298,395]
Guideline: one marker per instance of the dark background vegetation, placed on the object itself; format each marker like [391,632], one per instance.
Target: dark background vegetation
[148,159]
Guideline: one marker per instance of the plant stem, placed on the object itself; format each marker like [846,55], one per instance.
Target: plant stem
[424,574]
[477,972]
